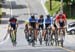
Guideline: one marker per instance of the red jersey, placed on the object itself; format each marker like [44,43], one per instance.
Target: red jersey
[13,20]
[63,17]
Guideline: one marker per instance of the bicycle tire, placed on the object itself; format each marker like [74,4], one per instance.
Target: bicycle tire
[13,38]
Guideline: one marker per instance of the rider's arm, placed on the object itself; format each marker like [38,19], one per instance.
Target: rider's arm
[65,20]
[51,21]
[16,24]
[56,21]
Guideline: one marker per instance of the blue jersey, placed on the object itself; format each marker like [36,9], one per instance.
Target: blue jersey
[49,20]
[40,21]
[31,20]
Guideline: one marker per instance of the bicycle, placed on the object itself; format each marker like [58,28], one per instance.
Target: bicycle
[61,37]
[54,37]
[31,37]
[26,34]
[40,36]
[48,36]
[13,36]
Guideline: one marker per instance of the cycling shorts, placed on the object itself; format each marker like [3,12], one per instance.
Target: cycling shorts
[62,24]
[13,25]
[33,25]
[47,25]
[41,26]
[55,25]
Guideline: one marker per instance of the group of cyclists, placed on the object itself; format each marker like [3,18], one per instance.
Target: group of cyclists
[48,22]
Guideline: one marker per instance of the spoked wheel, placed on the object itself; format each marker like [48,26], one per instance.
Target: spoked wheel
[40,40]
[46,40]
[13,37]
[62,39]
[33,41]
[61,43]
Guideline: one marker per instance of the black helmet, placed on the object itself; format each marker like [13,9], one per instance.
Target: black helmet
[12,17]
[32,16]
[41,16]
[48,16]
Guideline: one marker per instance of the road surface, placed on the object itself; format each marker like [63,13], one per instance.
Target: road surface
[33,7]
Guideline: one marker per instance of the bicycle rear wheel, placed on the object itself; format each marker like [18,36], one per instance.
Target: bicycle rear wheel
[13,37]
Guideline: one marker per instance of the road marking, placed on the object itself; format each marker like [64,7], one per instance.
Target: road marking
[66,49]
[6,39]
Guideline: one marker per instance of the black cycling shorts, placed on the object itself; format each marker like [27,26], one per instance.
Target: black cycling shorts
[41,26]
[62,24]
[55,25]
[13,26]
[47,25]
[33,25]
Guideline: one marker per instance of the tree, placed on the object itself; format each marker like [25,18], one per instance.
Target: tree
[50,4]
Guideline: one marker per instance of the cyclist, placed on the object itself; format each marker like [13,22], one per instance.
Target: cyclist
[61,22]
[33,24]
[41,23]
[49,22]
[26,30]
[13,24]
[26,25]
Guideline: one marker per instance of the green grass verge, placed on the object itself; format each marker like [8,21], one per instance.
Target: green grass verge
[55,6]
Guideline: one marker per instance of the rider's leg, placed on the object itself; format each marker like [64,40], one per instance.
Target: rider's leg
[63,31]
[14,31]
[35,31]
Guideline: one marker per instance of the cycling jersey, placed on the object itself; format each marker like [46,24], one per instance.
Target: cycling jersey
[63,17]
[41,23]
[26,22]
[49,20]
[33,22]
[13,22]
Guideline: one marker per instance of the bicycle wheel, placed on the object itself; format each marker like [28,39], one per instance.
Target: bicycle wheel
[62,37]
[33,38]
[13,37]
[40,40]
[46,39]
[40,37]
[61,43]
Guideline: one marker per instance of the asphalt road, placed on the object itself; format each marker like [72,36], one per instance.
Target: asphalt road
[32,7]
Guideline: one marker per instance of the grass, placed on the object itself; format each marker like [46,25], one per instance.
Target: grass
[55,6]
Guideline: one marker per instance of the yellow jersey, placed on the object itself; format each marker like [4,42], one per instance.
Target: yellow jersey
[26,22]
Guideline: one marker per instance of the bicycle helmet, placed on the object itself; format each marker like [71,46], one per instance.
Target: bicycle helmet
[33,17]
[48,16]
